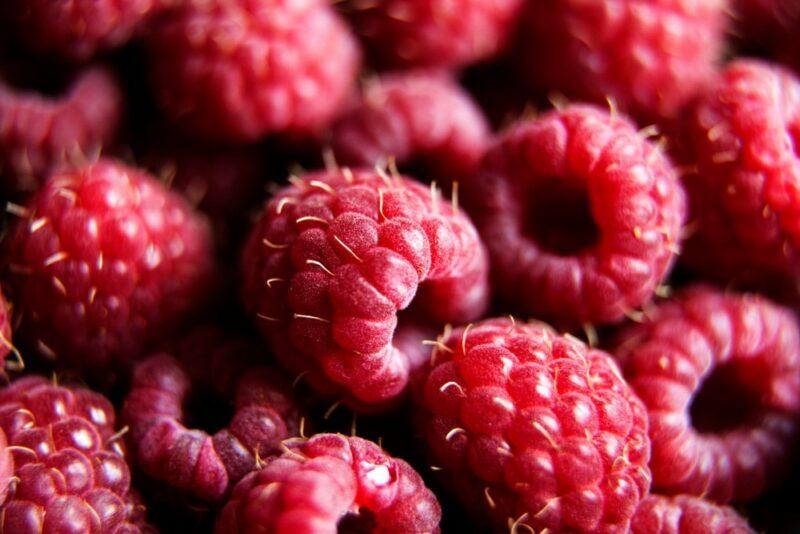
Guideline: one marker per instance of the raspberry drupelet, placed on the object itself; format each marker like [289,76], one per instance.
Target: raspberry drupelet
[685,514]
[6,468]
[720,376]
[532,429]
[237,70]
[69,462]
[331,482]
[580,213]
[335,257]
[103,262]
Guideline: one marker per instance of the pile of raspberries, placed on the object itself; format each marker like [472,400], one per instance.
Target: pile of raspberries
[399,266]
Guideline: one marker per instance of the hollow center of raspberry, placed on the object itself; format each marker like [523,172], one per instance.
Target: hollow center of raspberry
[723,402]
[51,80]
[208,412]
[361,522]
[559,217]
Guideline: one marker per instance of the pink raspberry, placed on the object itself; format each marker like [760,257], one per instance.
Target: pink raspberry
[337,255]
[535,430]
[104,262]
[38,132]
[685,514]
[70,468]
[237,70]
[743,137]
[425,121]
[6,468]
[432,33]
[581,215]
[720,376]
[332,482]
[651,56]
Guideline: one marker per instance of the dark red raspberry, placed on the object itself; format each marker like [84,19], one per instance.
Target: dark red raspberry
[720,375]
[425,121]
[6,468]
[580,213]
[191,461]
[6,347]
[333,260]
[70,468]
[744,137]
[651,56]
[332,482]
[685,514]
[37,131]
[241,69]
[535,429]
[765,24]
[432,33]
[104,262]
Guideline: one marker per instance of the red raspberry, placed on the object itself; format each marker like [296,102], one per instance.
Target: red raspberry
[77,29]
[720,375]
[581,215]
[6,347]
[37,132]
[745,198]
[433,33]
[333,260]
[332,482]
[651,56]
[685,514]
[190,460]
[421,119]
[105,262]
[69,462]
[6,467]
[536,429]
[237,70]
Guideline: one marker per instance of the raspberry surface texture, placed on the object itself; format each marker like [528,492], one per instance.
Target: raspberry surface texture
[432,33]
[332,482]
[535,429]
[650,56]
[103,262]
[6,467]
[744,137]
[685,514]
[237,70]
[720,376]
[423,120]
[39,131]
[337,255]
[580,214]
[5,331]
[69,462]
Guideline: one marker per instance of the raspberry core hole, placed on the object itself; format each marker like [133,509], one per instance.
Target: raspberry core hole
[50,81]
[361,522]
[559,216]
[722,403]
[207,411]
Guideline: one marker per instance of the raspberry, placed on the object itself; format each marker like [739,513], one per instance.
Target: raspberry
[6,467]
[190,460]
[432,33]
[535,429]
[77,29]
[104,262]
[37,131]
[236,70]
[651,56]
[69,462]
[331,481]
[720,376]
[333,260]
[421,119]
[685,514]
[744,137]
[766,23]
[5,332]
[580,214]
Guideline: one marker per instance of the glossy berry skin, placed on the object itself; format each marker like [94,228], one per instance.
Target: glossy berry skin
[335,257]
[6,467]
[237,70]
[536,429]
[69,462]
[104,262]
[5,331]
[685,514]
[754,346]
[38,132]
[421,119]
[581,215]
[744,195]
[650,56]
[325,481]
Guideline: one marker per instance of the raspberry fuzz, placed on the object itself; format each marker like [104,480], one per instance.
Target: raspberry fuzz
[684,514]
